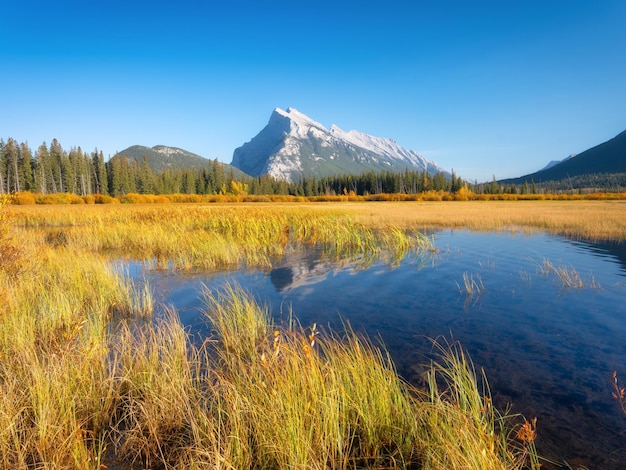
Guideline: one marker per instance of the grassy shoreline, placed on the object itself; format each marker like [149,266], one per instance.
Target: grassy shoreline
[590,220]
[85,382]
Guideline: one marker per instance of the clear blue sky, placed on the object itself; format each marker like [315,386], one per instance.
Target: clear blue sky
[482,87]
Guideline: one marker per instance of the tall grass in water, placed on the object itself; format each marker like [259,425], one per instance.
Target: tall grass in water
[199,237]
[80,391]
[302,400]
[310,403]
[568,277]
[464,428]
[471,285]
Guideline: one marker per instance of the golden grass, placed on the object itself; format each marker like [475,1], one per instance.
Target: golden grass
[54,370]
[86,378]
[211,237]
[301,399]
[590,220]
[582,219]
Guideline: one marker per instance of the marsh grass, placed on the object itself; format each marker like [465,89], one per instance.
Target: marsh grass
[472,285]
[586,220]
[461,400]
[56,395]
[208,238]
[567,276]
[312,400]
[82,394]
[89,379]
[619,393]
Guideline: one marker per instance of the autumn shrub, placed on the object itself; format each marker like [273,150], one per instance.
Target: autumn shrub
[45,199]
[432,195]
[58,198]
[463,194]
[105,199]
[133,198]
[185,198]
[23,198]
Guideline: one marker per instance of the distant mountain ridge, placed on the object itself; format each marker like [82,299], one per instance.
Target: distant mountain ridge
[607,158]
[556,162]
[292,146]
[162,157]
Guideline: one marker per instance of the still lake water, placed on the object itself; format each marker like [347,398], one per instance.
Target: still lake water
[548,350]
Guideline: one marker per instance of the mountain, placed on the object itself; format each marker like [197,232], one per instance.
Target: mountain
[294,145]
[606,158]
[555,163]
[161,157]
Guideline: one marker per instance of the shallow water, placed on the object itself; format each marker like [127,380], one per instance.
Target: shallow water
[548,350]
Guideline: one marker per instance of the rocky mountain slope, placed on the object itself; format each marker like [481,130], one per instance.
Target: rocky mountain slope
[293,145]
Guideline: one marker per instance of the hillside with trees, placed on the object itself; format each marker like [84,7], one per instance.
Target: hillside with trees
[50,169]
[602,167]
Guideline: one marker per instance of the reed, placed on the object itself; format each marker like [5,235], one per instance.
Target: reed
[586,219]
[596,220]
[619,393]
[568,276]
[472,285]
[464,430]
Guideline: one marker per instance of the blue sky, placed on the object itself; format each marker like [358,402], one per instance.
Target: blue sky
[482,87]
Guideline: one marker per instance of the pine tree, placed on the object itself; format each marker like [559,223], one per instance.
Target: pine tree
[114,172]
[26,166]
[42,172]
[2,171]
[100,172]
[145,179]
[56,166]
[9,166]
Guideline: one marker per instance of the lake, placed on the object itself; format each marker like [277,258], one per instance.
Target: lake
[547,322]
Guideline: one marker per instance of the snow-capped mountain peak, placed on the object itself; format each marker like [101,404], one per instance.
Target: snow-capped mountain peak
[293,145]
[299,125]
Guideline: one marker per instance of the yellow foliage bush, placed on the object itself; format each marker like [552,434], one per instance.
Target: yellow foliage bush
[104,199]
[23,198]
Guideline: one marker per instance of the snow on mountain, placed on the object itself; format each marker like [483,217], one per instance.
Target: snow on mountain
[293,145]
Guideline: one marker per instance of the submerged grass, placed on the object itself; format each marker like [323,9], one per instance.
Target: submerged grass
[472,285]
[568,276]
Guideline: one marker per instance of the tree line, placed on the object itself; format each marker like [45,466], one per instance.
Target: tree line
[52,169]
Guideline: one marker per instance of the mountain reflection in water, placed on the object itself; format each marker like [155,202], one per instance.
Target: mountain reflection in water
[301,268]
[547,350]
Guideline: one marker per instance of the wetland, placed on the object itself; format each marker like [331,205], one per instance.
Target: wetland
[115,320]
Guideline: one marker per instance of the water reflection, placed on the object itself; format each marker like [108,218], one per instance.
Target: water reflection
[547,350]
[298,269]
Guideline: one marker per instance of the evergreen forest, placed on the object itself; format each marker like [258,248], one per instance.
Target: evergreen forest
[50,169]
